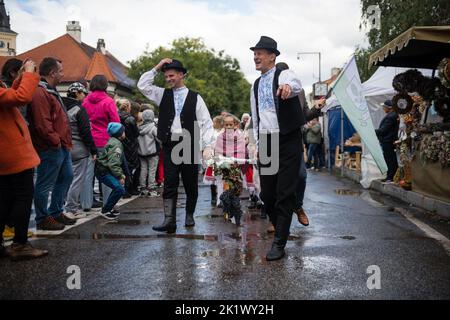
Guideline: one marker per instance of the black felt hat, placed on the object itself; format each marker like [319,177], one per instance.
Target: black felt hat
[268,44]
[175,65]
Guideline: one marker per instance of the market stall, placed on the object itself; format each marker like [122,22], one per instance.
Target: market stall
[423,104]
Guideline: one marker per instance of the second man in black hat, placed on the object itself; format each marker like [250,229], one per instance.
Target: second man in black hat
[182,112]
[277,122]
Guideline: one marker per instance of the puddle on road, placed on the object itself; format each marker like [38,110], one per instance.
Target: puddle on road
[245,256]
[221,237]
[246,217]
[350,238]
[134,212]
[132,222]
[348,192]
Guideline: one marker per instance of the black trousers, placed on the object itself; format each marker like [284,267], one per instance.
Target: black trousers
[391,159]
[189,176]
[16,197]
[278,191]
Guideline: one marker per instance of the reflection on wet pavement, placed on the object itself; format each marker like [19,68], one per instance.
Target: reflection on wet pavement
[347,192]
[350,230]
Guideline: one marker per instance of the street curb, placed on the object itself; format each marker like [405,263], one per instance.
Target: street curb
[416,199]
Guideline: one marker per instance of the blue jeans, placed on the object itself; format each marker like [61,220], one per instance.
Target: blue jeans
[117,191]
[106,191]
[87,191]
[53,174]
[313,154]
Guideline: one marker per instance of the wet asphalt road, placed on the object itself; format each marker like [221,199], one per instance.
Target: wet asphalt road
[351,229]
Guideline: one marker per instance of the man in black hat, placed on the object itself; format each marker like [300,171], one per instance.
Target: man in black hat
[388,134]
[277,120]
[182,113]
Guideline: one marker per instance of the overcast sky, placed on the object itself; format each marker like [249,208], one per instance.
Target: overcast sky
[328,26]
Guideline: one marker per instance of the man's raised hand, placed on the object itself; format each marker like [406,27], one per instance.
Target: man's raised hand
[284,91]
[162,63]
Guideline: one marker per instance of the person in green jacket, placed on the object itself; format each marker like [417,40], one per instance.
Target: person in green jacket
[313,138]
[109,170]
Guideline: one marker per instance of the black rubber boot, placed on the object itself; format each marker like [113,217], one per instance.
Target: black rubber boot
[190,222]
[214,195]
[282,228]
[276,253]
[170,217]
[263,213]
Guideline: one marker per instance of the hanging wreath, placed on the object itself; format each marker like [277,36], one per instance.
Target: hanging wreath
[444,72]
[408,81]
[444,154]
[402,103]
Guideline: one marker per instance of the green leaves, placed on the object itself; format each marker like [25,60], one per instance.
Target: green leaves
[397,16]
[215,75]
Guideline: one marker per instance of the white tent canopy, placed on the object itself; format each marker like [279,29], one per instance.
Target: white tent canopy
[377,90]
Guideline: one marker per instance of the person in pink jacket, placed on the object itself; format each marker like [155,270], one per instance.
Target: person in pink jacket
[102,110]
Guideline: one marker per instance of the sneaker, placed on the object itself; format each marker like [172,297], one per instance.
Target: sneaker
[259,205]
[109,216]
[115,212]
[62,218]
[19,252]
[50,224]
[153,194]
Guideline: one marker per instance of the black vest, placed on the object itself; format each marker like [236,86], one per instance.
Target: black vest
[289,112]
[188,115]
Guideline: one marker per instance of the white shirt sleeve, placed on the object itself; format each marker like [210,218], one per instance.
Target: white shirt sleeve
[205,123]
[290,78]
[254,114]
[148,89]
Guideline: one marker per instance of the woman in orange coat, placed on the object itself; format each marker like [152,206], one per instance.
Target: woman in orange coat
[17,161]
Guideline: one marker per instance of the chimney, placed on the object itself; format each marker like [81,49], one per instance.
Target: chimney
[74,30]
[101,46]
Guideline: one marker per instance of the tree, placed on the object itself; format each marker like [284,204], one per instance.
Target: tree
[397,16]
[216,76]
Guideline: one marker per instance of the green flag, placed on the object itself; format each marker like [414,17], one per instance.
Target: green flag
[348,90]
